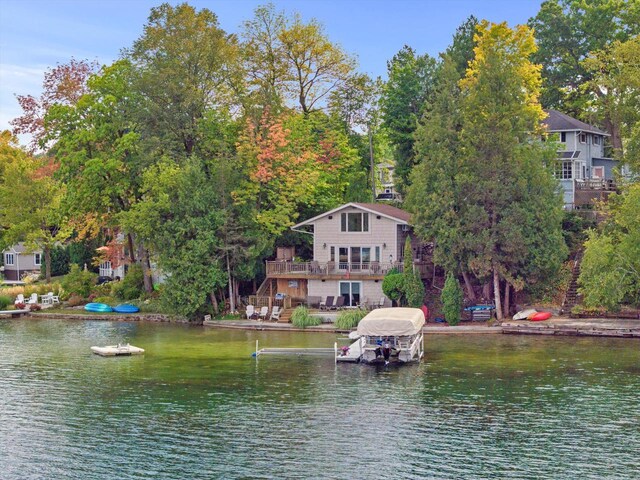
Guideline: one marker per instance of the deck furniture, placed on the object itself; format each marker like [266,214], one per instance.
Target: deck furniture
[339,305]
[327,305]
[19,299]
[251,311]
[33,299]
[275,313]
[262,315]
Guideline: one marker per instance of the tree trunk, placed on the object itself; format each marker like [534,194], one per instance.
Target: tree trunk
[47,263]
[143,256]
[467,284]
[507,299]
[496,293]
[214,302]
[132,256]
[232,300]
[486,291]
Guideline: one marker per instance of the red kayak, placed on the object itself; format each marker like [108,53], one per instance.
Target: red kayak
[540,316]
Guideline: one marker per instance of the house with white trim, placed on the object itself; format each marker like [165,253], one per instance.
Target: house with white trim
[354,246]
[20,261]
[584,172]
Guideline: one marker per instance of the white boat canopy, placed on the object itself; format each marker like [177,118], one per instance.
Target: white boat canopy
[392,322]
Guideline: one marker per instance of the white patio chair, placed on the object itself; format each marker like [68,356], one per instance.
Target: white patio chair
[46,299]
[264,311]
[19,299]
[275,313]
[251,311]
[33,299]
[54,298]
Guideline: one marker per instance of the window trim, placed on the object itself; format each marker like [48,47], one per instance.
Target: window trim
[596,139]
[37,259]
[582,137]
[364,222]
[563,137]
[6,259]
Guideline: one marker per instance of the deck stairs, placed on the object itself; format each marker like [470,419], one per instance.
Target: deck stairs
[572,298]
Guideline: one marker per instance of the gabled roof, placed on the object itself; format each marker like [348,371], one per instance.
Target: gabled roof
[387,211]
[20,248]
[561,122]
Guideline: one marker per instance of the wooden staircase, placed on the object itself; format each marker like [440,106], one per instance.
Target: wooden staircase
[285,316]
[571,297]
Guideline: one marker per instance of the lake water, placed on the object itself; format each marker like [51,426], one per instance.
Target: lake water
[197,405]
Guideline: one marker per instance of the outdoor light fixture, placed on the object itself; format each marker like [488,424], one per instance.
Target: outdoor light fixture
[384,245]
[324,245]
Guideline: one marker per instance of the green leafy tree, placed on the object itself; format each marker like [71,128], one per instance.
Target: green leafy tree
[566,32]
[30,210]
[413,286]
[610,269]
[393,287]
[451,298]
[408,87]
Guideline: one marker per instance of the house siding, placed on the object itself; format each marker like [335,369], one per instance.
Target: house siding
[382,231]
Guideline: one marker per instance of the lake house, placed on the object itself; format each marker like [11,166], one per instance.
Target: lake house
[354,246]
[19,261]
[584,172]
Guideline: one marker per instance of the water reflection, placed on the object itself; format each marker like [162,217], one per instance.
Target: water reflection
[196,405]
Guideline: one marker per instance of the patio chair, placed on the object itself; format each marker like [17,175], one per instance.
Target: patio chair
[33,299]
[251,311]
[46,299]
[327,304]
[262,315]
[381,302]
[362,304]
[54,298]
[339,303]
[275,313]
[19,299]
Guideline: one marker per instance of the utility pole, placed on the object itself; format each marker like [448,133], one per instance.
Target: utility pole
[372,164]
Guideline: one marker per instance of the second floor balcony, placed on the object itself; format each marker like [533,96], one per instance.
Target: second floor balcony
[339,270]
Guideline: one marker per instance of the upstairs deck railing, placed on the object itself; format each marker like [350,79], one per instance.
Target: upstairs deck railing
[275,268]
[596,184]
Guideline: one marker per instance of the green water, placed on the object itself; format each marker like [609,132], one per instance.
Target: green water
[196,405]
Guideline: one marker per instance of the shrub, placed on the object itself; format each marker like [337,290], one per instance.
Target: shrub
[5,301]
[20,306]
[414,289]
[78,282]
[75,300]
[105,299]
[393,286]
[131,286]
[59,262]
[348,319]
[302,319]
[34,307]
[452,298]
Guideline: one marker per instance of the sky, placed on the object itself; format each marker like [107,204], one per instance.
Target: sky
[39,34]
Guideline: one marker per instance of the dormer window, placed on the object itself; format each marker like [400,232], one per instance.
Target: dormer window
[583,138]
[354,222]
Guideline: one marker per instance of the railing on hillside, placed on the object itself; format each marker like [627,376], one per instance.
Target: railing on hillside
[270,302]
[275,268]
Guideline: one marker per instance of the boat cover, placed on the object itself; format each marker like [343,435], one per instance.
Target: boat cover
[392,322]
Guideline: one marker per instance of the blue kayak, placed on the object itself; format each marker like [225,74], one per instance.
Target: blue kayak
[126,308]
[480,307]
[98,307]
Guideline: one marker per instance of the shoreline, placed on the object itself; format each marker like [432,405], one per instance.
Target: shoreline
[558,326]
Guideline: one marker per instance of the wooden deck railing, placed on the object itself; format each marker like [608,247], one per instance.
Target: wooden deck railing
[275,268]
[595,184]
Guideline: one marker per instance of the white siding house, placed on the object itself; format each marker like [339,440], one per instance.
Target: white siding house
[19,261]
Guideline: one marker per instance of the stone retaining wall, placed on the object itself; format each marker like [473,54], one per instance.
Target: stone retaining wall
[131,317]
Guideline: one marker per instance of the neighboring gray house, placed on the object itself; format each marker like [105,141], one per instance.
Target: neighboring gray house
[354,246]
[584,172]
[385,176]
[19,261]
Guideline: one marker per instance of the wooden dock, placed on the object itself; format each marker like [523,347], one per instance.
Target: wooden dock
[575,327]
[15,313]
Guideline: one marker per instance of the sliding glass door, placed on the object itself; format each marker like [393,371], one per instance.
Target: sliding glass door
[351,292]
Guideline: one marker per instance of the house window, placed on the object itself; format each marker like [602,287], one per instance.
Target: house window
[332,255]
[564,170]
[9,259]
[596,140]
[583,138]
[350,291]
[354,222]
[563,137]
[37,259]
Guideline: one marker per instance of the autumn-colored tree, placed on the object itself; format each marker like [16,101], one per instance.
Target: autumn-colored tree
[62,85]
[293,163]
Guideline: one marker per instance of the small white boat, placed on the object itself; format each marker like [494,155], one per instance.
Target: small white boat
[116,350]
[524,314]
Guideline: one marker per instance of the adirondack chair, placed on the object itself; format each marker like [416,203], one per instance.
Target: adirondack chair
[381,302]
[54,298]
[262,315]
[19,299]
[33,299]
[251,311]
[327,305]
[339,303]
[275,313]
